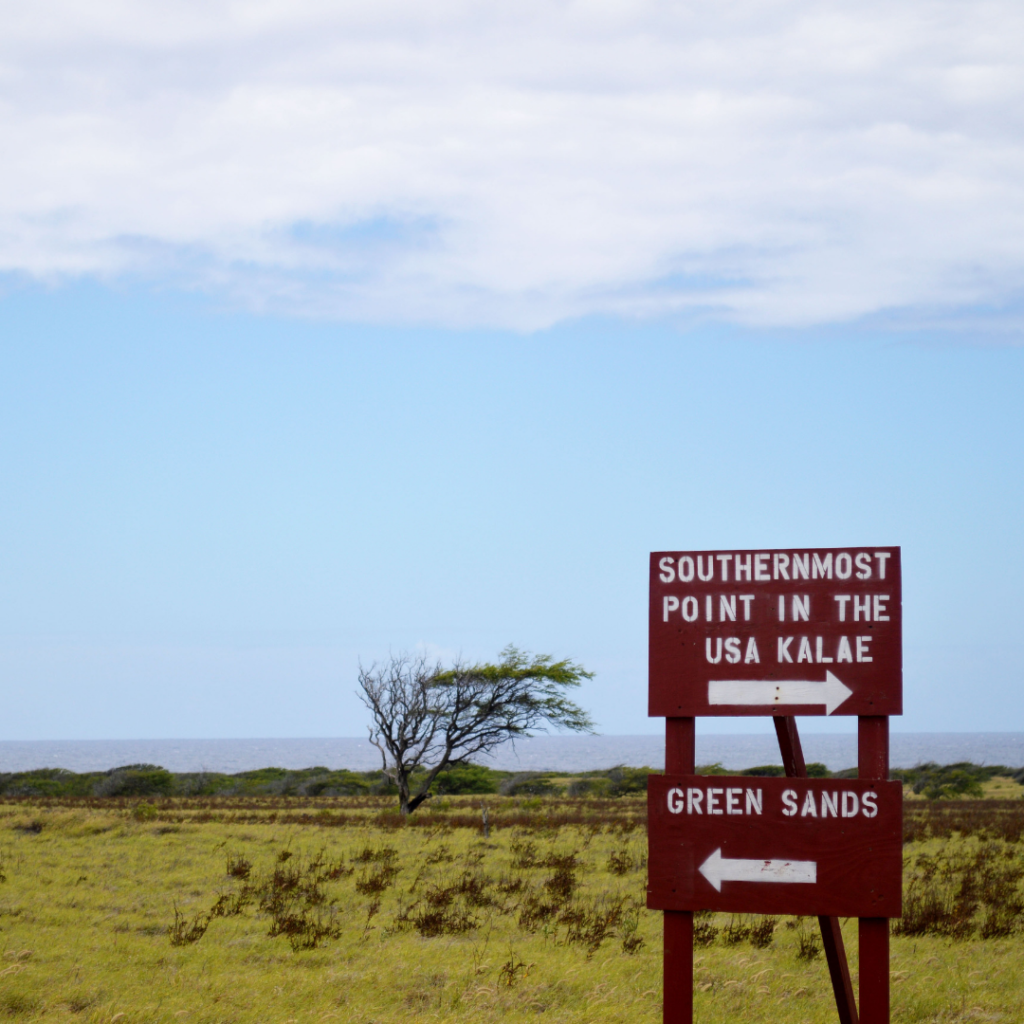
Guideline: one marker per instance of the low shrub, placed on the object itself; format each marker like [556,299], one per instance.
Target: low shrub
[529,784]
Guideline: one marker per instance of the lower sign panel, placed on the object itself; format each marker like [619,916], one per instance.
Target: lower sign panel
[775,846]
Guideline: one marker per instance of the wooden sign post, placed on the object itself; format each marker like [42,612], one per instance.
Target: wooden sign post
[779,633]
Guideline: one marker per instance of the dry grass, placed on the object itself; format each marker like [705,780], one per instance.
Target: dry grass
[310,911]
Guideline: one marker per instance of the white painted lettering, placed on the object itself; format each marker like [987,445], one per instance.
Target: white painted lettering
[783,654]
[761,568]
[732,801]
[869,808]
[732,650]
[810,808]
[668,572]
[788,802]
[801,607]
[830,805]
[782,607]
[862,608]
[844,565]
[820,658]
[751,653]
[863,563]
[727,608]
[845,654]
[668,604]
[804,651]
[718,650]
[851,804]
[801,566]
[883,557]
[694,798]
[746,599]
[700,568]
[862,648]
[741,567]
[842,600]
[690,608]
[724,559]
[707,608]
[713,795]
[686,568]
[675,800]
[822,570]
[755,801]
[780,567]
[880,608]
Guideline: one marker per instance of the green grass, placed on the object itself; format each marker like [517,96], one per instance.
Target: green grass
[542,920]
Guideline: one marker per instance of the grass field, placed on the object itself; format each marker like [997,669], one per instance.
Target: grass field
[303,910]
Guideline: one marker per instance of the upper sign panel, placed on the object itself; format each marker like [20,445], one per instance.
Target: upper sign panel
[790,632]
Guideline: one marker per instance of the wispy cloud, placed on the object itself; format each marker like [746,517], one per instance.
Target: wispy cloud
[779,163]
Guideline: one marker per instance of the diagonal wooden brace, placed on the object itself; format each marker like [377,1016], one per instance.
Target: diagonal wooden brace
[831,934]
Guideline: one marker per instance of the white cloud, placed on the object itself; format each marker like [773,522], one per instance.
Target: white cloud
[772,163]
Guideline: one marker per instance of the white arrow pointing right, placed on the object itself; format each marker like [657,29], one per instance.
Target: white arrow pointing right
[718,869]
[771,693]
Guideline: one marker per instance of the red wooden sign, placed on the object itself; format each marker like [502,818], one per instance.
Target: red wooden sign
[775,845]
[780,632]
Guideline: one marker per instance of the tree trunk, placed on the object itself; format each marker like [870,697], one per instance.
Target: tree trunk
[415,802]
[405,805]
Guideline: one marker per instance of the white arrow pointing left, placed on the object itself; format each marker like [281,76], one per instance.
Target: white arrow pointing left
[718,869]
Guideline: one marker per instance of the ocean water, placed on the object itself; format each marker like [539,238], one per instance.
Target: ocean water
[561,753]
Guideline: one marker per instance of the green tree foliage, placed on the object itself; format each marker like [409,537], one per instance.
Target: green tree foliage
[466,778]
[626,780]
[944,782]
[136,780]
[427,718]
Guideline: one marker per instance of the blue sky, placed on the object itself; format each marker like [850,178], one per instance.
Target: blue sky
[212,516]
[334,330]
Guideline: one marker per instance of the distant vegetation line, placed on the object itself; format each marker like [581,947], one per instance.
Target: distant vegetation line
[146,780]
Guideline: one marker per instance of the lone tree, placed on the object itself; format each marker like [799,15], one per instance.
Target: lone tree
[428,718]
